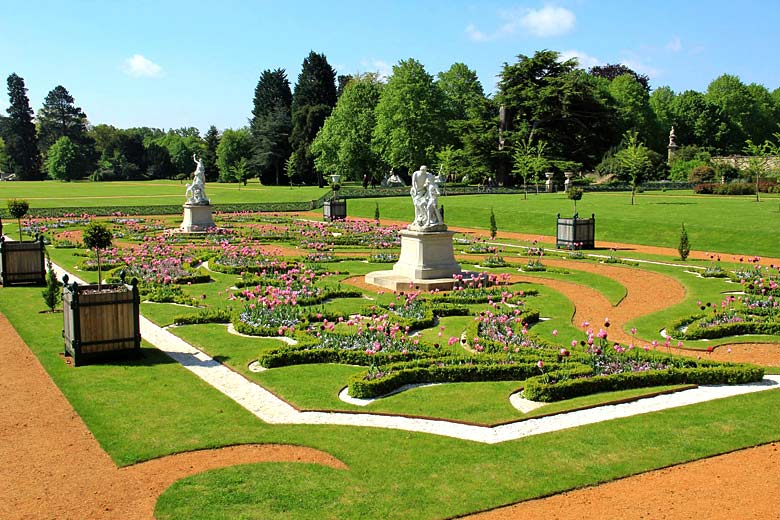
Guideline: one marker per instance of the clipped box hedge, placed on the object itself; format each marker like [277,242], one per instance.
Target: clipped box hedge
[542,389]
[448,370]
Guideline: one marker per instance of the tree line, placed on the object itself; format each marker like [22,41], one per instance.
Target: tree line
[548,114]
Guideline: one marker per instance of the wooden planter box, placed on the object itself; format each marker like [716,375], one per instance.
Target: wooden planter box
[100,323]
[334,209]
[579,233]
[22,262]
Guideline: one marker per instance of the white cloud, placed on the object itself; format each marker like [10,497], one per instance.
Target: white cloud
[138,66]
[585,61]
[547,21]
[476,35]
[674,45]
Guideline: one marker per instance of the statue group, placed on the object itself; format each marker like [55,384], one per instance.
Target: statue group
[196,192]
[425,193]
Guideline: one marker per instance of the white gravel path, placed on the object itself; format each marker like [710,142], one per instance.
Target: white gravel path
[269,408]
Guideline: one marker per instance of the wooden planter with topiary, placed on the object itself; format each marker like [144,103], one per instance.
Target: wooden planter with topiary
[100,321]
[22,262]
[576,233]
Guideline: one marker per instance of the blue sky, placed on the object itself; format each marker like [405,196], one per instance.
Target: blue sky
[171,63]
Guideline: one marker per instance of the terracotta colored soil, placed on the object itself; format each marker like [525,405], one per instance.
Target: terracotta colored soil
[737,486]
[54,468]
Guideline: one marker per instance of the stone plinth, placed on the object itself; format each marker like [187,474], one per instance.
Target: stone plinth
[427,262]
[197,218]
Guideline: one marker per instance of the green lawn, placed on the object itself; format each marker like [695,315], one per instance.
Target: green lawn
[56,194]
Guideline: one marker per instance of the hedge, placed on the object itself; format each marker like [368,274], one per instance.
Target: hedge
[440,370]
[542,389]
[304,354]
[210,315]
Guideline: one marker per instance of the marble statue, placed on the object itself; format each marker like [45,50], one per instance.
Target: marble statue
[672,138]
[392,180]
[425,193]
[196,192]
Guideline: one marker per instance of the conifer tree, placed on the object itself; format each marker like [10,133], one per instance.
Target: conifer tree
[271,125]
[21,141]
[685,247]
[210,154]
[313,100]
[60,117]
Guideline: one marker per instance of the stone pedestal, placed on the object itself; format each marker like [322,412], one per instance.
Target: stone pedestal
[427,262]
[197,218]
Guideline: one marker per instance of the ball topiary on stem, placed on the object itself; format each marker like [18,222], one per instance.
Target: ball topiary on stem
[96,237]
[18,208]
[575,194]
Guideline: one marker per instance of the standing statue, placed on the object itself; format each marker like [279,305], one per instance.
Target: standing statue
[196,192]
[425,197]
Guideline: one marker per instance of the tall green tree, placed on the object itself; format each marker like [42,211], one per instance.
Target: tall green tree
[410,117]
[60,117]
[471,120]
[21,140]
[233,146]
[271,125]
[313,100]
[181,144]
[698,121]
[558,103]
[343,145]
[62,161]
[211,142]
[633,109]
[612,71]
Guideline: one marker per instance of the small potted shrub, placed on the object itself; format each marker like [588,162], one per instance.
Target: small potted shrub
[21,262]
[100,320]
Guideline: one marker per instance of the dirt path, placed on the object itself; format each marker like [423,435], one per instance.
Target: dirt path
[52,466]
[740,485]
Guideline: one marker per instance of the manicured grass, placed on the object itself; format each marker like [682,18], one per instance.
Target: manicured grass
[56,194]
[714,223]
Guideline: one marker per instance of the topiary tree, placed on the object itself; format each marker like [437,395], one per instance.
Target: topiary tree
[685,247]
[53,292]
[96,237]
[575,194]
[376,213]
[493,227]
[18,208]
